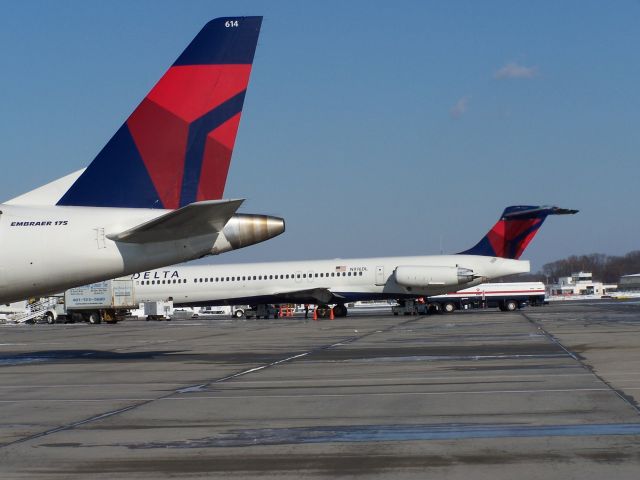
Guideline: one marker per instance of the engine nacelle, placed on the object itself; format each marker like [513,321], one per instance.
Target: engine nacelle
[244,229]
[420,276]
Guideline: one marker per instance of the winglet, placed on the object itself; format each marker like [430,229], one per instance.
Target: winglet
[514,231]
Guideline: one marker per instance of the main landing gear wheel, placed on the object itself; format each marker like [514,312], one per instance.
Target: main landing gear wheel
[340,311]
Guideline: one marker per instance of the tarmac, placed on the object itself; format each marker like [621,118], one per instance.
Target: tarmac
[544,392]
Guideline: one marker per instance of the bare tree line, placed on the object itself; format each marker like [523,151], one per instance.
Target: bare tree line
[605,268]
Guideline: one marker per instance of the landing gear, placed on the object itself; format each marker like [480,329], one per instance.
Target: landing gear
[260,310]
[340,310]
[325,311]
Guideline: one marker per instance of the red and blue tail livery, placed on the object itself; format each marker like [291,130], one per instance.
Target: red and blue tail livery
[516,228]
[175,148]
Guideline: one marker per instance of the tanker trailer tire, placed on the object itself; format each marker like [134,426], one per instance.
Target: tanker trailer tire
[510,306]
[448,307]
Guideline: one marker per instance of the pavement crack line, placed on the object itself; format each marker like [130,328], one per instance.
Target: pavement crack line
[287,358]
[628,399]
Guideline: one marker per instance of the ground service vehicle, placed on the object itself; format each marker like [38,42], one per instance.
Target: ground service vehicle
[505,296]
[106,301]
[261,311]
[236,311]
[158,310]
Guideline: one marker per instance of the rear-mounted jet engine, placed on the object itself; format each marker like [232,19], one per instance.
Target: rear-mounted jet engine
[244,229]
[419,276]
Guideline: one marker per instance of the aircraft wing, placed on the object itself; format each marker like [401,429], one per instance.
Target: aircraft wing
[195,219]
[315,295]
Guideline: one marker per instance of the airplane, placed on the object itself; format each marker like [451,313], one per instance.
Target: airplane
[153,195]
[339,281]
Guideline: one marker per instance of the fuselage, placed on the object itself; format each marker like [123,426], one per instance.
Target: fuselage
[47,249]
[341,280]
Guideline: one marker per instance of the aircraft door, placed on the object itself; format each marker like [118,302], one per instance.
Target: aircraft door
[380,280]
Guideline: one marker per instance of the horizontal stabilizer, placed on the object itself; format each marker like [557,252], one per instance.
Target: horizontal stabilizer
[200,218]
[536,212]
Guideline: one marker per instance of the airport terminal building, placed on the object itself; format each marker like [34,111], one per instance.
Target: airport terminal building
[580,283]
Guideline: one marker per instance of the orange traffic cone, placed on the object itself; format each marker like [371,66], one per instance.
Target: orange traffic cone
[331,317]
[315,313]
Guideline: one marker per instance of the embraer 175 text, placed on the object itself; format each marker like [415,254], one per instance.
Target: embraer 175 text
[340,281]
[152,196]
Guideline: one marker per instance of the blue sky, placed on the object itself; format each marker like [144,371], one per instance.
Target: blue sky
[374,128]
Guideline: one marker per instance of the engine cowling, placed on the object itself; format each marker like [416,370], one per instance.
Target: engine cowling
[420,276]
[245,229]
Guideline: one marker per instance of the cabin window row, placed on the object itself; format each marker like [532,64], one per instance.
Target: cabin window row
[161,282]
[246,278]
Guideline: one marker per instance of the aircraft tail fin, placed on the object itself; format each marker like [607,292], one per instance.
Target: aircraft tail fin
[175,148]
[514,231]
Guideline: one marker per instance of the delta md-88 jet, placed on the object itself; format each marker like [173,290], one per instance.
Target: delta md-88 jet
[339,281]
[153,195]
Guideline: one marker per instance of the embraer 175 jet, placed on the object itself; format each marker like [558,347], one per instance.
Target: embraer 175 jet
[340,281]
[152,196]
